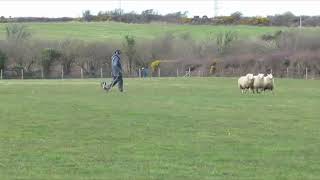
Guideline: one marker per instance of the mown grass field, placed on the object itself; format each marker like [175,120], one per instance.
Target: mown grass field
[101,31]
[170,128]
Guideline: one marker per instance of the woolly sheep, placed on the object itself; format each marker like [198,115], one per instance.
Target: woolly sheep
[258,83]
[268,82]
[245,82]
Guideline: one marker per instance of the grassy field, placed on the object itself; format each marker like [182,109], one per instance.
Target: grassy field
[111,30]
[158,129]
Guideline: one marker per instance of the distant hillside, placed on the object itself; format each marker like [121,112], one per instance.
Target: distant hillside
[101,31]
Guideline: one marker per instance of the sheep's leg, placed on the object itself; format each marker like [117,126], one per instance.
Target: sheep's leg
[241,89]
[272,91]
[244,90]
[252,90]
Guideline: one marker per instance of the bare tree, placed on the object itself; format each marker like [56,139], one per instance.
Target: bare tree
[17,32]
[86,16]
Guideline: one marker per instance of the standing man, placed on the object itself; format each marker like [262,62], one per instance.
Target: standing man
[116,72]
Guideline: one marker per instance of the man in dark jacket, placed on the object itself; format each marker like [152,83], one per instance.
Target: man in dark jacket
[116,72]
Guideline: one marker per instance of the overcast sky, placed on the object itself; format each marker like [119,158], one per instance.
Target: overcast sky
[74,8]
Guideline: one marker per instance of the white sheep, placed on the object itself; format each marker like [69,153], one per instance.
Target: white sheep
[258,83]
[268,83]
[245,83]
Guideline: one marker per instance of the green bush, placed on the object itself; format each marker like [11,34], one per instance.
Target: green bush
[155,65]
[129,47]
[3,59]
[48,56]
[224,40]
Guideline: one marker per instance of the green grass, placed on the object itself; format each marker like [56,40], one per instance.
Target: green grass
[158,129]
[102,31]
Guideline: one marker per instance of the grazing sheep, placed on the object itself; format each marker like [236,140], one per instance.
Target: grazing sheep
[245,83]
[258,83]
[268,83]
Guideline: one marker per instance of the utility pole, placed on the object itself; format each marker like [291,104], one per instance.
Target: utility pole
[120,10]
[215,8]
[120,4]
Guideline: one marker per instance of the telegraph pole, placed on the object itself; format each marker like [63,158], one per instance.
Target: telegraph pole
[300,22]
[120,10]
[215,8]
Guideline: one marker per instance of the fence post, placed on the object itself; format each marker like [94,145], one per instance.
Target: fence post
[199,73]
[42,75]
[21,73]
[81,71]
[189,72]
[306,73]
[139,73]
[101,74]
[177,72]
[287,72]
[159,73]
[1,74]
[62,73]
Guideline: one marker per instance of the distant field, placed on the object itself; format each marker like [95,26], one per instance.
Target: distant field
[111,30]
[168,128]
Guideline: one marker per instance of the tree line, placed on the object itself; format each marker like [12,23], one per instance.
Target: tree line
[150,15]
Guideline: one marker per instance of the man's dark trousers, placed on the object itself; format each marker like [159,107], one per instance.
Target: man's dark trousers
[117,80]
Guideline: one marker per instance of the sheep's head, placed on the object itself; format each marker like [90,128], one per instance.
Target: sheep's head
[260,76]
[250,76]
[269,76]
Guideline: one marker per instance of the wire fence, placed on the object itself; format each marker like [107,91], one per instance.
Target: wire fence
[292,73]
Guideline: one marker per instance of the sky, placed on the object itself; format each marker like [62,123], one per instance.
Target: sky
[74,8]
